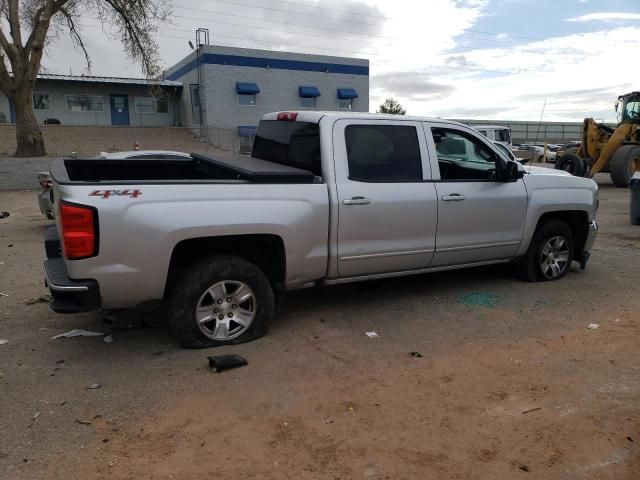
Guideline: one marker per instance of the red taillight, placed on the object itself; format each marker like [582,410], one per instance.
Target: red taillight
[288,116]
[79,236]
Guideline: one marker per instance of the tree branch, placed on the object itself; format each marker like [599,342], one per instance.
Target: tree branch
[35,44]
[14,22]
[6,82]
[75,35]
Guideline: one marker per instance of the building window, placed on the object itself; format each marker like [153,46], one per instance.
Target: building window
[85,103]
[195,103]
[247,93]
[152,105]
[345,104]
[41,101]
[309,102]
[247,99]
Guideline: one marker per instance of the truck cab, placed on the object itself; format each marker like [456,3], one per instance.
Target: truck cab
[496,133]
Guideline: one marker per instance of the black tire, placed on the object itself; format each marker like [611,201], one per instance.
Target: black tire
[192,287]
[621,164]
[572,163]
[530,267]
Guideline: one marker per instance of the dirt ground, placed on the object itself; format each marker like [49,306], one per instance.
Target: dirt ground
[511,383]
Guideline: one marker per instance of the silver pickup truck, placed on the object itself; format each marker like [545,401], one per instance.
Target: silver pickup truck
[325,198]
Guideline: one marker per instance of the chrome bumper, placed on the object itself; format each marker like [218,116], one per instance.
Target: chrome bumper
[583,258]
[591,236]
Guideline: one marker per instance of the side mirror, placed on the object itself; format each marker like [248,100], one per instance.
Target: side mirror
[513,171]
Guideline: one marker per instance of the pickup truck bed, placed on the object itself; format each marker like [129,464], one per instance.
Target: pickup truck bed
[198,168]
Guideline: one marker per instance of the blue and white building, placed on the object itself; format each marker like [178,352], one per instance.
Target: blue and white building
[226,90]
[220,93]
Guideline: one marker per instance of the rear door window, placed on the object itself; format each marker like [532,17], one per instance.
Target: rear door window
[383,153]
[295,144]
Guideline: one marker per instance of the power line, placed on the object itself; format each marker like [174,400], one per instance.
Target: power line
[231,2]
[280,22]
[351,12]
[270,9]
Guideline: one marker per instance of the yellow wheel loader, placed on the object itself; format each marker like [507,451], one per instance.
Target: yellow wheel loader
[605,149]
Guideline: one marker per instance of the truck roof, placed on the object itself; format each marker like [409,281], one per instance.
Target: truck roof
[502,127]
[316,116]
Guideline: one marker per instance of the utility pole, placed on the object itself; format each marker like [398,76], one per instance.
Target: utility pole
[202,39]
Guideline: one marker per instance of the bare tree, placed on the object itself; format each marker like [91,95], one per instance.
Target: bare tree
[27,26]
[392,106]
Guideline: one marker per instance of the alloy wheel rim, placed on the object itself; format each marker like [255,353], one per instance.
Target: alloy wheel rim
[226,310]
[555,257]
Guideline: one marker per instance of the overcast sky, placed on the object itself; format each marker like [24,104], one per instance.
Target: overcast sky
[490,59]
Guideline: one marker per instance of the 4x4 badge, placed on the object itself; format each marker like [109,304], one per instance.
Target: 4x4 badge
[115,193]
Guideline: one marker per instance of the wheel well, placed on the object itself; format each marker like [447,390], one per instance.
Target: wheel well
[578,222]
[265,251]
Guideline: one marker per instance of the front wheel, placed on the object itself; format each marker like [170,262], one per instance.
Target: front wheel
[221,300]
[550,253]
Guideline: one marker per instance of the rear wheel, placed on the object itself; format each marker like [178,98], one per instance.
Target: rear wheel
[550,253]
[623,164]
[572,163]
[219,301]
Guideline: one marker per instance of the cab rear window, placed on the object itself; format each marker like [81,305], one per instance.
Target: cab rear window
[296,144]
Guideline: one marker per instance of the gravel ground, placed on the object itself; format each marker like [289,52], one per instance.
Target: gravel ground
[510,383]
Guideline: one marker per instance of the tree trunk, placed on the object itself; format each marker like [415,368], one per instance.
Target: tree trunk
[30,141]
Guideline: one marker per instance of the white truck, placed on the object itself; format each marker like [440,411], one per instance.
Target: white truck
[325,198]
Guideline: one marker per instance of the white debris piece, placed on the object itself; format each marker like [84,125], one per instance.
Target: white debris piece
[371,334]
[77,333]
[3,341]
[108,339]
[593,326]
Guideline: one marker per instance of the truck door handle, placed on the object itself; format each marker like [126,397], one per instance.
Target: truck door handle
[454,197]
[356,201]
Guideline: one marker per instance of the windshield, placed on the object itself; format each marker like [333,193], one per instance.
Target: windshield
[503,135]
[631,109]
[296,144]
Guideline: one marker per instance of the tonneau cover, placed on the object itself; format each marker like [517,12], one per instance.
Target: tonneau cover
[257,170]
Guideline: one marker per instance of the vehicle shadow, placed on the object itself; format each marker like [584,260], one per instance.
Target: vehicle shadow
[399,290]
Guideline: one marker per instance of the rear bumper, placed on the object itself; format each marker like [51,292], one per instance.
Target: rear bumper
[68,296]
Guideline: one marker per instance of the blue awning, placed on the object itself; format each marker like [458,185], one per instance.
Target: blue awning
[344,93]
[246,131]
[247,88]
[308,92]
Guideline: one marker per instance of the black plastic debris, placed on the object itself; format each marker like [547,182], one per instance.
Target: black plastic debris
[524,468]
[416,354]
[226,362]
[4,215]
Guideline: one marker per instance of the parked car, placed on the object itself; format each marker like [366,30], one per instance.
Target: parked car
[570,147]
[44,194]
[219,240]
[510,155]
[44,178]
[538,153]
